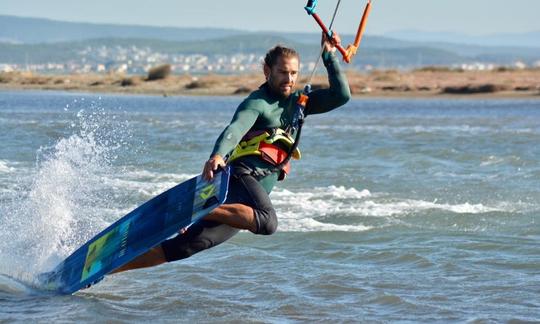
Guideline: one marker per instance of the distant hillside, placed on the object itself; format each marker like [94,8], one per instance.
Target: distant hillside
[65,51]
[383,56]
[529,39]
[23,30]
[84,43]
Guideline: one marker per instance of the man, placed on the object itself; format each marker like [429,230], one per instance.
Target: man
[257,142]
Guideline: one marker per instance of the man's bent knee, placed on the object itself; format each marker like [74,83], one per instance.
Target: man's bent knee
[266,221]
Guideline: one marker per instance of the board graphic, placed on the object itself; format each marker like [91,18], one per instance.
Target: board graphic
[137,232]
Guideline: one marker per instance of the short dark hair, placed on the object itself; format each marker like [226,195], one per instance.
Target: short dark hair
[278,51]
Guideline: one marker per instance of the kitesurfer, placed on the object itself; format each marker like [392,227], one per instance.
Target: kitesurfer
[256,142]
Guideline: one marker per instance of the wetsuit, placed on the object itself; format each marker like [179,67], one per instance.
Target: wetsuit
[261,110]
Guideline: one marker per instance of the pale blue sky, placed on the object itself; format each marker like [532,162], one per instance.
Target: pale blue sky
[474,17]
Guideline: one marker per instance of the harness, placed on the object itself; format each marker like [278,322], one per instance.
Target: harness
[275,146]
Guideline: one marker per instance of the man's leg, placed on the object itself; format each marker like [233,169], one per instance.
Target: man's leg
[151,258]
[238,216]
[218,226]
[235,215]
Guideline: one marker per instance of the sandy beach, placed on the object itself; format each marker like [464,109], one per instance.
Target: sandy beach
[427,82]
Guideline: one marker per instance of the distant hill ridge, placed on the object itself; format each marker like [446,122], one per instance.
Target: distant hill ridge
[526,39]
[23,30]
[16,29]
[60,41]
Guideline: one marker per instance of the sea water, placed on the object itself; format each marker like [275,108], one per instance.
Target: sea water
[416,210]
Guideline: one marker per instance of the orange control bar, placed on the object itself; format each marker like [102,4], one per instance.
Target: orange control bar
[352,48]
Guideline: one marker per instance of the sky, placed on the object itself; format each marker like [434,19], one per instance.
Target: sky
[473,17]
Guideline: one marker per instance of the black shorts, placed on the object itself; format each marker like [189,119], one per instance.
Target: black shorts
[243,189]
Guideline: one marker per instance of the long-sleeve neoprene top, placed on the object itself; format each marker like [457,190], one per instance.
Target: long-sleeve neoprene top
[263,110]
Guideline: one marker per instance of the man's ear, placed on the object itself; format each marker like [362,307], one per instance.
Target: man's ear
[266,70]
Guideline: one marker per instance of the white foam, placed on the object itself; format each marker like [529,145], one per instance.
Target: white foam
[495,160]
[410,129]
[396,207]
[312,210]
[146,183]
[157,176]
[5,167]
[423,129]
[339,192]
[299,211]
[312,225]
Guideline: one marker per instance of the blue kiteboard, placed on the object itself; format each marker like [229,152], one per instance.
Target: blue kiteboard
[137,232]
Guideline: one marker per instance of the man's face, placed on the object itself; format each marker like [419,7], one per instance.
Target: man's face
[282,76]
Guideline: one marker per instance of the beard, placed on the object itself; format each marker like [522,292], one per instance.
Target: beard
[282,90]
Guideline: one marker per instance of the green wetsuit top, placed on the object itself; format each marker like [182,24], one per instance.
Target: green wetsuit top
[263,110]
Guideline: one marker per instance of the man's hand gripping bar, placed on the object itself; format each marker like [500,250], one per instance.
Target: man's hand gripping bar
[351,48]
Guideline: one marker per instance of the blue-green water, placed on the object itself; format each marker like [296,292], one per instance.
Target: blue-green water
[401,210]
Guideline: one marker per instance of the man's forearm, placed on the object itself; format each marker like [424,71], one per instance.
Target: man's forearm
[324,100]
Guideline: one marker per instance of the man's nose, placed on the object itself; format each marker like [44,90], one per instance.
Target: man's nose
[291,77]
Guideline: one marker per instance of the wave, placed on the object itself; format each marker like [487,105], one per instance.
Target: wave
[336,208]
[497,160]
[11,286]
[5,167]
[419,129]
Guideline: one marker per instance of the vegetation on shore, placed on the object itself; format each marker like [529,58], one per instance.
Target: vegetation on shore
[429,81]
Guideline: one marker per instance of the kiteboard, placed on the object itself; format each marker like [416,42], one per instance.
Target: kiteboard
[137,232]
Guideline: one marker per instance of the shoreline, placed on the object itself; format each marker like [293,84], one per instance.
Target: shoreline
[423,83]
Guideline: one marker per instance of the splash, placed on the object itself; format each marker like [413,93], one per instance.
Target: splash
[67,199]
